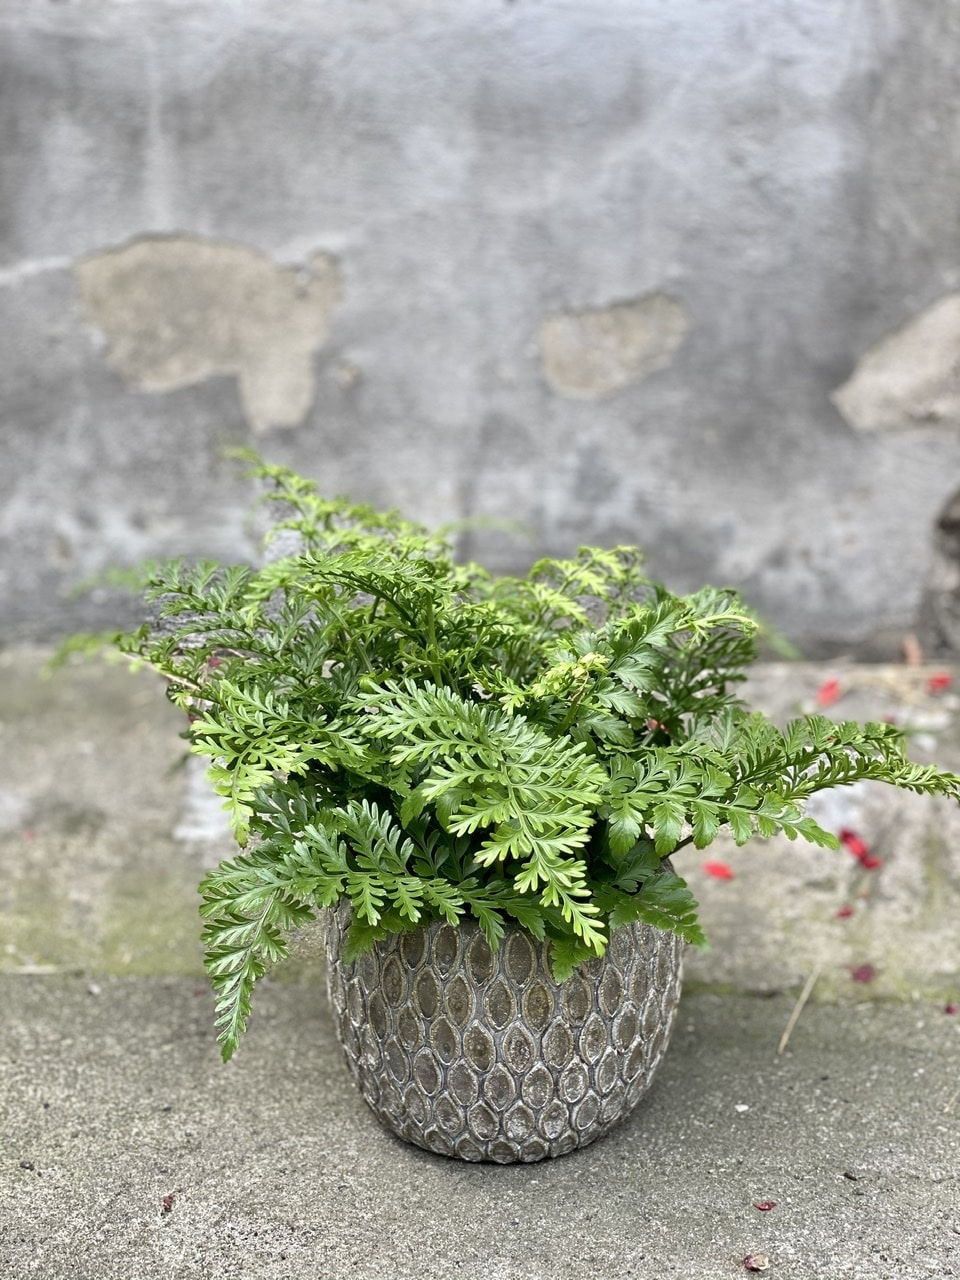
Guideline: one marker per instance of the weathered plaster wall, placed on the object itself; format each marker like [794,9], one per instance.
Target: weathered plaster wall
[684,275]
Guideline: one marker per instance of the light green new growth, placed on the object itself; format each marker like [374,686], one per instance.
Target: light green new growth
[427,741]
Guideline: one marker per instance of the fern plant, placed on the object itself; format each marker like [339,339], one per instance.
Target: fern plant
[425,740]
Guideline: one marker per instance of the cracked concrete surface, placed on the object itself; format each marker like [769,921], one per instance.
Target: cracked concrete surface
[128,1151]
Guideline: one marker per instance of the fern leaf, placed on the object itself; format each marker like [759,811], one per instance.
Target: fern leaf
[666,902]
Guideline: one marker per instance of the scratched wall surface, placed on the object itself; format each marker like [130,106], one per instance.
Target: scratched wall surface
[595,271]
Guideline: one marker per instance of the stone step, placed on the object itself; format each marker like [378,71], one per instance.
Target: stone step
[106,826]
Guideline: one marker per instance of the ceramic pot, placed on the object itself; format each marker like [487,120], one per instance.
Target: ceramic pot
[481,1055]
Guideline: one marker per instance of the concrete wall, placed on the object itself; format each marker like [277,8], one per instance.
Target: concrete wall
[680,274]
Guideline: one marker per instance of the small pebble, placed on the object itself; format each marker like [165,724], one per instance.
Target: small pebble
[756,1262]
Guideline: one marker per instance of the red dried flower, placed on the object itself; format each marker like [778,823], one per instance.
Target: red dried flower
[764,1205]
[863,973]
[845,912]
[719,870]
[952,1008]
[937,683]
[853,843]
[860,849]
[829,693]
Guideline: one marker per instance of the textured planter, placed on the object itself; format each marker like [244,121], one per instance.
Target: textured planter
[482,1056]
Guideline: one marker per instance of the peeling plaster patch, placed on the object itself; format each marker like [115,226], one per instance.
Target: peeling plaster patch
[178,310]
[911,377]
[587,354]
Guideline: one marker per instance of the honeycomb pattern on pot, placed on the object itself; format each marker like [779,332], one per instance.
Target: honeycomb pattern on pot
[481,1055]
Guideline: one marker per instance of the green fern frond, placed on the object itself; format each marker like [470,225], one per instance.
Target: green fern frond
[425,740]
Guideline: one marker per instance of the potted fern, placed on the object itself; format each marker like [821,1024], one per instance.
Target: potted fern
[477,783]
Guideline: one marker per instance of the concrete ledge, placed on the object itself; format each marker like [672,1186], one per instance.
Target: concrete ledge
[103,839]
[93,877]
[785,913]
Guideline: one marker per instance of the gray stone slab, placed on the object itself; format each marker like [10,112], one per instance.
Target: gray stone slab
[114,1105]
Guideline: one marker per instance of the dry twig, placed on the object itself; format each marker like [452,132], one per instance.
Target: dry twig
[798,1008]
